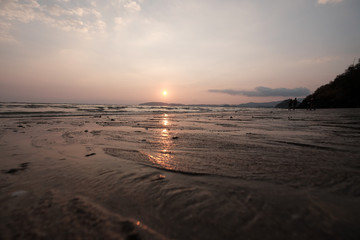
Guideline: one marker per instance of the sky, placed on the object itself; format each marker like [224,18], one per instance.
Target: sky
[199,51]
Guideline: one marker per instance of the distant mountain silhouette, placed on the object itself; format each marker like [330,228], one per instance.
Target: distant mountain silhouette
[249,105]
[157,104]
[342,92]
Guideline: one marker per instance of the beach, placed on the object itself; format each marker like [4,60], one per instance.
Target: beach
[118,172]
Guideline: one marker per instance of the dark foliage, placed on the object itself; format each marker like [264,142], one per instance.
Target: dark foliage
[342,92]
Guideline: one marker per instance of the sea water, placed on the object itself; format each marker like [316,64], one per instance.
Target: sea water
[201,172]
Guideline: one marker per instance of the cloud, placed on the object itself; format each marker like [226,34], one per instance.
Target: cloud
[22,12]
[329,1]
[79,19]
[265,92]
[132,6]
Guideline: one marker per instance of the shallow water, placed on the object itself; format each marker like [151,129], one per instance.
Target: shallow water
[208,174]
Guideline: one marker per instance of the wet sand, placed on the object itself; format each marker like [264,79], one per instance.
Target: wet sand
[250,174]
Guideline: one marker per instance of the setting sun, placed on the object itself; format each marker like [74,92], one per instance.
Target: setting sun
[164,93]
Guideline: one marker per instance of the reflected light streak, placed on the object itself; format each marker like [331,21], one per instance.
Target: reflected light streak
[163,156]
[164,160]
[165,120]
[164,133]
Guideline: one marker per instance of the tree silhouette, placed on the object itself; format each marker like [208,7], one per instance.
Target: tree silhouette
[342,92]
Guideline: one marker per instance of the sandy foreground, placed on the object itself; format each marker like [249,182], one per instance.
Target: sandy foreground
[249,175]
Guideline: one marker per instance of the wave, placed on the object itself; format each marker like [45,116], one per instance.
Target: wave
[54,110]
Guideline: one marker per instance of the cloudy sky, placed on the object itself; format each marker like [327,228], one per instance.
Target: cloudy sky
[200,51]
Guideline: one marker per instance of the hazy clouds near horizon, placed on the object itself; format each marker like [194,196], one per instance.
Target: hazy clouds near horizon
[265,92]
[128,51]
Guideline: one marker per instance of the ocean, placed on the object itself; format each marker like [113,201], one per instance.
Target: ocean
[65,109]
[178,172]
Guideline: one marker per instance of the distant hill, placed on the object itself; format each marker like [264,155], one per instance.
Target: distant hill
[250,104]
[160,104]
[342,92]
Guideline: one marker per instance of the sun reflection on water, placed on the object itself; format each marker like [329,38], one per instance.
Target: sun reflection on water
[164,133]
[162,154]
[165,121]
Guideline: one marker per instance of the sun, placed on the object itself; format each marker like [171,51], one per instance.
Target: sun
[164,93]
